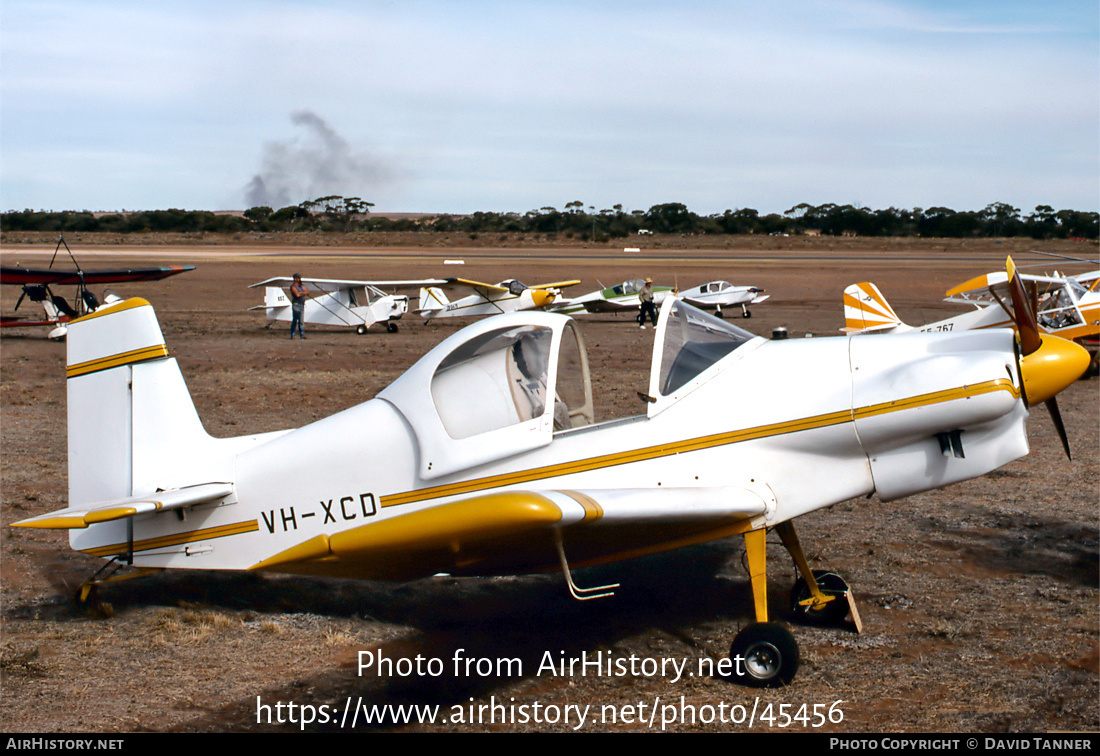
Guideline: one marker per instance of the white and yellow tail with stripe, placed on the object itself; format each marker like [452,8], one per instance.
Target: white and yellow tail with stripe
[135,441]
[865,310]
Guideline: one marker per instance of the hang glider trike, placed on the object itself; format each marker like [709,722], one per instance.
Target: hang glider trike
[37,283]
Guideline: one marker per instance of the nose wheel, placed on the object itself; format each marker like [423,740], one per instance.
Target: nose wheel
[814,613]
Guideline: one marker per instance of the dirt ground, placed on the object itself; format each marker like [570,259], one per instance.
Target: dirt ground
[979,601]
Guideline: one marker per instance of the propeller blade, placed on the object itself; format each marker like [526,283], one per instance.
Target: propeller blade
[20,300]
[1026,323]
[1056,416]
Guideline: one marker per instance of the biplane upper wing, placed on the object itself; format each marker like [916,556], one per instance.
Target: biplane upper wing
[27,276]
[996,286]
[491,531]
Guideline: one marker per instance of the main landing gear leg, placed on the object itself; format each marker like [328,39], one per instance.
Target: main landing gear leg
[764,654]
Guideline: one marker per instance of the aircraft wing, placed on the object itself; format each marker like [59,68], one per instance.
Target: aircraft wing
[336,284]
[556,285]
[490,530]
[462,287]
[995,286]
[12,321]
[18,276]
[601,304]
[131,506]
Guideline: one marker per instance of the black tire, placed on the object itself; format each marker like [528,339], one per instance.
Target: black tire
[763,655]
[832,613]
[391,327]
[362,329]
[719,314]
[747,314]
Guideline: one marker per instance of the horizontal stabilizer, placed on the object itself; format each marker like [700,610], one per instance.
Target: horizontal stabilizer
[131,506]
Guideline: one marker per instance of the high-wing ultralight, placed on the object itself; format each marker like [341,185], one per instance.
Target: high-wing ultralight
[336,302]
[58,311]
[1066,306]
[459,297]
[715,295]
[618,298]
[486,457]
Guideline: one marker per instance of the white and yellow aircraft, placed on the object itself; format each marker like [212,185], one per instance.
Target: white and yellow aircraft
[477,299]
[1067,306]
[337,302]
[486,456]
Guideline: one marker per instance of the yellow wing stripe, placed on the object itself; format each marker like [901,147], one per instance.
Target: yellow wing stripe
[592,509]
[115,360]
[176,539]
[694,444]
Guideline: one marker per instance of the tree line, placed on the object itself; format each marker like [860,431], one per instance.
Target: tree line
[335,213]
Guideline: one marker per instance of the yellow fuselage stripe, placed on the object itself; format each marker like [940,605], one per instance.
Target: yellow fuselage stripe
[115,360]
[695,444]
[593,510]
[175,539]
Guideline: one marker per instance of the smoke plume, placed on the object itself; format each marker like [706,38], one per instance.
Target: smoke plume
[319,163]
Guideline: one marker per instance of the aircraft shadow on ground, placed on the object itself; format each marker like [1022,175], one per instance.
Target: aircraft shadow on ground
[512,624]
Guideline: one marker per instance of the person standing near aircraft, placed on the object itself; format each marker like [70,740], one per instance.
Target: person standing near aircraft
[645,296]
[297,306]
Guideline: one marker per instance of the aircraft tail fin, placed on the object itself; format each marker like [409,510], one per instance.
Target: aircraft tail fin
[433,300]
[131,418]
[866,310]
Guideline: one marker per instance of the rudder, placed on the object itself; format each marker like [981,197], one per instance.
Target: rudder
[866,309]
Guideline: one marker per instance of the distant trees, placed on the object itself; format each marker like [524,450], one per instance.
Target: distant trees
[335,213]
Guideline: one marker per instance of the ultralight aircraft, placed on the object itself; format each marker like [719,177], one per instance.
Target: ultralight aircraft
[58,311]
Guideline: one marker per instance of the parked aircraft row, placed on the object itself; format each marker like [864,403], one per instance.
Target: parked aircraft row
[361,304]
[487,457]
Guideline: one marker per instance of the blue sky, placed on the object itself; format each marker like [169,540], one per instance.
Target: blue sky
[511,106]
